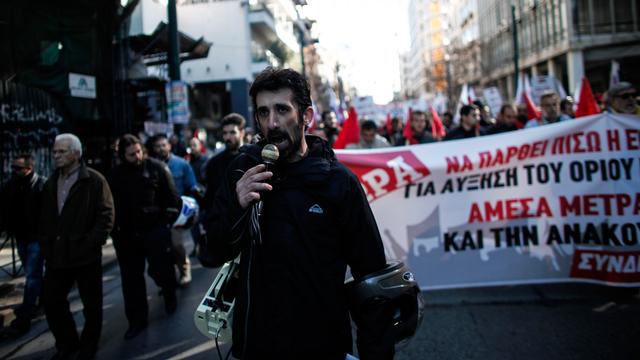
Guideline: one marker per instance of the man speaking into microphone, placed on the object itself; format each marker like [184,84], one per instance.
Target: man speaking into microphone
[313,221]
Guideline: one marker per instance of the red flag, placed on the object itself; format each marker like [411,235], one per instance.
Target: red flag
[387,125]
[587,104]
[437,129]
[407,132]
[350,133]
[532,109]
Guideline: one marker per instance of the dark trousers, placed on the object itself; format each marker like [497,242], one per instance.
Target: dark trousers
[132,249]
[33,265]
[56,288]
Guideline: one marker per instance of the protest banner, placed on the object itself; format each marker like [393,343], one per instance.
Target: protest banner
[493,99]
[557,203]
[541,84]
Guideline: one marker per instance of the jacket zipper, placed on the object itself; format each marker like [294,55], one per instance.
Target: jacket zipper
[246,313]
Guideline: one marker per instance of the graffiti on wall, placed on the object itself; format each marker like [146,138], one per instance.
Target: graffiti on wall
[30,120]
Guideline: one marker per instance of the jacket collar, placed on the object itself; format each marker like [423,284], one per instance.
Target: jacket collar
[83,172]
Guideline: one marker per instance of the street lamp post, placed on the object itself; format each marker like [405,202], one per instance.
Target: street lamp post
[301,39]
[174,42]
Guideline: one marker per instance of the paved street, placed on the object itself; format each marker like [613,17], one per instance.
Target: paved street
[529,322]
[167,337]
[521,322]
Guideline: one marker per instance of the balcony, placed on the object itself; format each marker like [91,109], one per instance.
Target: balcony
[262,21]
[261,58]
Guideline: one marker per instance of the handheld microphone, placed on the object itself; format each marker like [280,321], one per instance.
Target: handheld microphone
[270,155]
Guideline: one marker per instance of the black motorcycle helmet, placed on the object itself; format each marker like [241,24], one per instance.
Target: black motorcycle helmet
[387,301]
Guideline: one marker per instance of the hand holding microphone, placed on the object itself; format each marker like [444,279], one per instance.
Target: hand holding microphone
[250,185]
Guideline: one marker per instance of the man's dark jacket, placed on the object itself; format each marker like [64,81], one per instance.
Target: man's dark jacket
[214,173]
[460,133]
[499,128]
[145,196]
[424,138]
[21,199]
[314,223]
[75,236]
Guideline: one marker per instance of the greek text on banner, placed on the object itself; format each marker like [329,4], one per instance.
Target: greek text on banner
[556,203]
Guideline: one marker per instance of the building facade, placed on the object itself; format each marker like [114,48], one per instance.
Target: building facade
[464,59]
[424,66]
[56,76]
[564,38]
[246,37]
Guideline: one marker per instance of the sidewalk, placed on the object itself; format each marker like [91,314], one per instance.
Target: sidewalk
[11,289]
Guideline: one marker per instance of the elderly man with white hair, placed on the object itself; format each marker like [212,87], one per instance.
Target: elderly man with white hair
[76,217]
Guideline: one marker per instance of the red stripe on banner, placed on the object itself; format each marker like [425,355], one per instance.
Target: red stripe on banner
[382,173]
[610,266]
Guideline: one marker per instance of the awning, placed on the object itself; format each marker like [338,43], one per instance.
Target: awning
[153,48]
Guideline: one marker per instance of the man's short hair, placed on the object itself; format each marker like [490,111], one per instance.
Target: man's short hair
[478,103]
[157,137]
[548,94]
[507,106]
[272,79]
[325,114]
[29,159]
[467,109]
[368,125]
[234,119]
[74,142]
[566,101]
[417,113]
[124,142]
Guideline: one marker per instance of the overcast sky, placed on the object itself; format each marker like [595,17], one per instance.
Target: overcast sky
[366,36]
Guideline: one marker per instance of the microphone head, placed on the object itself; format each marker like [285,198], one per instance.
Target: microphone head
[270,154]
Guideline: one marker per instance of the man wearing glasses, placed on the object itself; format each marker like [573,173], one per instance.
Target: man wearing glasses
[77,216]
[21,199]
[621,99]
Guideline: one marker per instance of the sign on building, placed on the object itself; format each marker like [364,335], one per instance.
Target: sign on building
[83,86]
[177,102]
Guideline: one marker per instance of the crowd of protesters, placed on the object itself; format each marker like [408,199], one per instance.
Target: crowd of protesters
[61,223]
[474,120]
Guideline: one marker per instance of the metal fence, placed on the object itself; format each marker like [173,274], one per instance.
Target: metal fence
[30,119]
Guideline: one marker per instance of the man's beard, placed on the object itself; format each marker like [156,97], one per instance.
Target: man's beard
[231,145]
[287,143]
[132,165]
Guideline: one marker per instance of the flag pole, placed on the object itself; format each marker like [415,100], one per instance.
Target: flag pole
[516,51]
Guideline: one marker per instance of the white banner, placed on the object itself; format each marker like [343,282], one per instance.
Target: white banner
[493,98]
[542,84]
[556,203]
